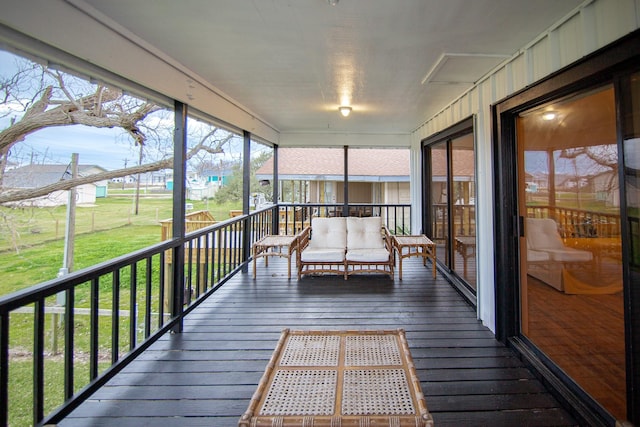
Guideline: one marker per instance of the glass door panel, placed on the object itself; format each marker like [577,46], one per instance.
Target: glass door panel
[631,142]
[440,200]
[463,209]
[571,253]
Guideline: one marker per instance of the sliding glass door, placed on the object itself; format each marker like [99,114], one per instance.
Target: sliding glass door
[569,197]
[567,231]
[450,217]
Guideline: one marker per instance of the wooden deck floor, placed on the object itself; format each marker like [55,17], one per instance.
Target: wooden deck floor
[207,375]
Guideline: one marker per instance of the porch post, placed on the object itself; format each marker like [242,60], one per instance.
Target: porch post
[275,213]
[345,206]
[246,194]
[179,199]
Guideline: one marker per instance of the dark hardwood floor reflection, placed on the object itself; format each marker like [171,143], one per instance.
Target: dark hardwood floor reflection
[584,335]
[207,375]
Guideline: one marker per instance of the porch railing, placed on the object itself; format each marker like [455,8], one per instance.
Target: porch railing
[294,217]
[104,316]
[578,222]
[463,220]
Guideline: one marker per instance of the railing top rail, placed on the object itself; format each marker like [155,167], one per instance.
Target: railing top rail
[581,211]
[51,287]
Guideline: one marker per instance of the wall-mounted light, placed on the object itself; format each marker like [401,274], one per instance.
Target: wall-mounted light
[345,110]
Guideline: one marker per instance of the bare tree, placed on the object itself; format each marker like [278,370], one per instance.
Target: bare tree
[59,99]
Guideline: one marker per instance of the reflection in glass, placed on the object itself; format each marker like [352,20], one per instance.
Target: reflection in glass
[631,132]
[464,212]
[440,200]
[571,257]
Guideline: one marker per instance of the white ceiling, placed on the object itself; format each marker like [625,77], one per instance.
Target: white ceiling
[293,62]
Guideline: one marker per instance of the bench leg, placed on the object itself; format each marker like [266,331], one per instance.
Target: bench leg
[254,266]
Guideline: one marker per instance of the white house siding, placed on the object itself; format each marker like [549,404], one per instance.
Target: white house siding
[589,27]
[85,194]
[397,192]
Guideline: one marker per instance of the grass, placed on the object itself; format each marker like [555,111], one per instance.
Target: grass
[31,252]
[571,200]
[32,239]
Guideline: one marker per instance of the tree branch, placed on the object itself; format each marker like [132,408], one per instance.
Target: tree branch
[7,196]
[16,195]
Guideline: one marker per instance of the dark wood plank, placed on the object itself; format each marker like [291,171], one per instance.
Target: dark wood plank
[207,374]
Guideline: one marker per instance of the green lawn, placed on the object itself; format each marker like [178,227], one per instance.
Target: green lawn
[31,252]
[32,239]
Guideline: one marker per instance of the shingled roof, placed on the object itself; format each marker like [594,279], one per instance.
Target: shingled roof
[34,176]
[328,163]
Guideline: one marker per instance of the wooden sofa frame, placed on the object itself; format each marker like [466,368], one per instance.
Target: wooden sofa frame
[346,267]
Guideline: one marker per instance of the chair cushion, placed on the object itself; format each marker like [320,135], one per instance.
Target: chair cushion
[364,233]
[328,233]
[569,255]
[368,255]
[537,256]
[542,234]
[322,255]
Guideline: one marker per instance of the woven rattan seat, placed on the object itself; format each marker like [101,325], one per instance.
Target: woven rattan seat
[339,378]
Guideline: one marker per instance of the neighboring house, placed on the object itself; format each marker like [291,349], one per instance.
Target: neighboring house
[11,165]
[199,189]
[606,187]
[129,179]
[218,177]
[36,176]
[316,175]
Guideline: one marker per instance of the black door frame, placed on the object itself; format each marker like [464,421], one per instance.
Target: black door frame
[606,65]
[463,127]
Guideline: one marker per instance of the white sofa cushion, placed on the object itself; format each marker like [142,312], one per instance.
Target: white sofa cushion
[322,255]
[364,233]
[368,255]
[328,233]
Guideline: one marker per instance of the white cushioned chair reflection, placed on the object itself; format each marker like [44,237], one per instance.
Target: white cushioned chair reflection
[547,254]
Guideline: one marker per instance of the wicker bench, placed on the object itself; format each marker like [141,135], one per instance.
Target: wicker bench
[345,246]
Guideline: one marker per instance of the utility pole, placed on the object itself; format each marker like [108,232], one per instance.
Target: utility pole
[124,178]
[67,262]
[69,238]
[137,195]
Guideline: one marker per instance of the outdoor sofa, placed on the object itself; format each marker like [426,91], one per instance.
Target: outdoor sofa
[345,246]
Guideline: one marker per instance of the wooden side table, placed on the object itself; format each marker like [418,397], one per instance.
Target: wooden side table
[281,246]
[415,245]
[466,247]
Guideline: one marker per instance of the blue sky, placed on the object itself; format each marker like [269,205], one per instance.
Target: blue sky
[94,146]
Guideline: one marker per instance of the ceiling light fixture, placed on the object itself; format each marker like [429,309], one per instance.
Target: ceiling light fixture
[345,110]
[549,115]
[333,2]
